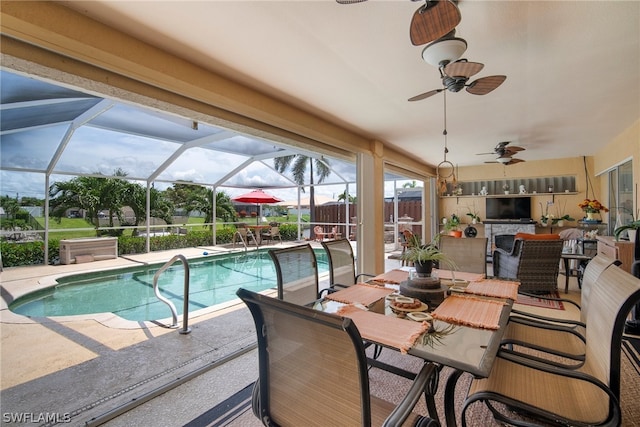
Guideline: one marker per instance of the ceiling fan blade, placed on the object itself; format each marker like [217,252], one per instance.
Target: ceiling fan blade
[513,161]
[514,149]
[433,20]
[485,85]
[463,68]
[482,154]
[350,1]
[425,95]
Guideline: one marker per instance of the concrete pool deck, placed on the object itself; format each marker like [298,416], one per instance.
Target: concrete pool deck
[77,370]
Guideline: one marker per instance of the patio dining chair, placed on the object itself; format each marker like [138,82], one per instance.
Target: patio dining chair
[550,394]
[271,233]
[320,234]
[297,274]
[342,271]
[469,255]
[342,268]
[245,235]
[564,336]
[313,371]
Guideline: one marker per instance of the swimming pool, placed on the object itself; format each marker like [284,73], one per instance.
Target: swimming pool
[129,294]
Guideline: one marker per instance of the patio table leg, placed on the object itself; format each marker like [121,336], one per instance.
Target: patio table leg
[449,395]
[432,388]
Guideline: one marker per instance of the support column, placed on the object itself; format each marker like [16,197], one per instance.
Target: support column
[370,225]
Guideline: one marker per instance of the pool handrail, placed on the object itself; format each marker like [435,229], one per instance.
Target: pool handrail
[174,313]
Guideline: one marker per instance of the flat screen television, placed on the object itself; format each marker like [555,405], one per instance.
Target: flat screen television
[508,207]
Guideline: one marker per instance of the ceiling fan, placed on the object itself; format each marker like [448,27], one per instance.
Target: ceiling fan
[433,20]
[505,154]
[455,76]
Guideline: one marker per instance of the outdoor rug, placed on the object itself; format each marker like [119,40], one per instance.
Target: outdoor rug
[538,302]
[631,348]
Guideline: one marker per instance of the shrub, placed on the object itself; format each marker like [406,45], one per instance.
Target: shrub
[25,253]
[289,231]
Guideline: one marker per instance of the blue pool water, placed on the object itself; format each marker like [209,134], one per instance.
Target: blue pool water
[129,294]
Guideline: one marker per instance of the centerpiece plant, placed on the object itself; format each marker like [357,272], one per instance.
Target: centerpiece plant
[423,257]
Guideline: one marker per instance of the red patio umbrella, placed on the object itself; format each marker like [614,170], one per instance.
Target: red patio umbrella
[258,197]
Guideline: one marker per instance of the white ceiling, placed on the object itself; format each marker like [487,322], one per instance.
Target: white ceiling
[572,67]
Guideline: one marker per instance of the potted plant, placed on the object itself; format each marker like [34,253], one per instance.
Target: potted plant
[592,207]
[562,217]
[560,220]
[423,256]
[473,214]
[452,226]
[506,188]
[546,218]
[631,228]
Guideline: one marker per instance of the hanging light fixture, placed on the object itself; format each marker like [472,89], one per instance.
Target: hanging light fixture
[441,169]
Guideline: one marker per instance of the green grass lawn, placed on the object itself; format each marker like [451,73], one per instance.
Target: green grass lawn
[69,228]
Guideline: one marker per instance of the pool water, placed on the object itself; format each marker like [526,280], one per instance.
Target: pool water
[129,294]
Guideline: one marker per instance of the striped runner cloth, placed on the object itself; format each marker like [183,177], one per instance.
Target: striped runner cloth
[494,288]
[470,311]
[360,294]
[387,330]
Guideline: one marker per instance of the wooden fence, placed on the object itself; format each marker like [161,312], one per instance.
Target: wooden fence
[336,215]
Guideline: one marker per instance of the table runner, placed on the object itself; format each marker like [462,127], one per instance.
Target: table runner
[394,277]
[386,330]
[494,288]
[361,293]
[470,311]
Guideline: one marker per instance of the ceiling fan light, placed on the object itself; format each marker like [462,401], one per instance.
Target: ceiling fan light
[446,49]
[504,160]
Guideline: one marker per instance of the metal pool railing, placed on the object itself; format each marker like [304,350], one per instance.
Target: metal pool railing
[174,313]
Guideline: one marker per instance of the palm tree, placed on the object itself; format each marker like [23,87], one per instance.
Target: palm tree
[343,197]
[136,198]
[299,170]
[200,198]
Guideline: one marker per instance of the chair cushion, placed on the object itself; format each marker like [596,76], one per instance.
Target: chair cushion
[527,236]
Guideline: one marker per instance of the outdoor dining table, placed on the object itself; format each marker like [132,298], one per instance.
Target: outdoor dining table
[462,342]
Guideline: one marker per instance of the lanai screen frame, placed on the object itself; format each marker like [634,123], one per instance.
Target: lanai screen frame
[31,104]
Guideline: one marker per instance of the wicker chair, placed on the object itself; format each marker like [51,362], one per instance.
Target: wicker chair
[504,241]
[313,371]
[297,274]
[534,262]
[557,396]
